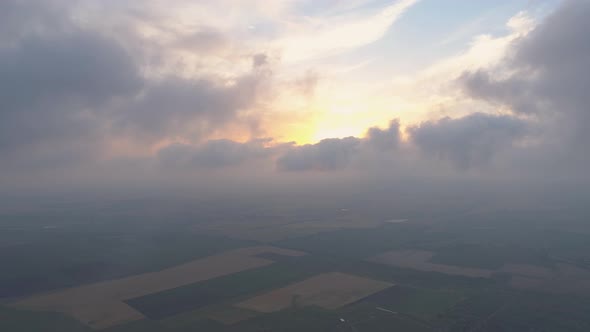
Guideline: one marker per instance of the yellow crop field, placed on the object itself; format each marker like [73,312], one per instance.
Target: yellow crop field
[101,305]
[329,291]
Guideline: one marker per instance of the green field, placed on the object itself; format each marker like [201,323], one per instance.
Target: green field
[421,303]
[12,320]
[518,311]
[59,258]
[488,256]
[357,243]
[219,290]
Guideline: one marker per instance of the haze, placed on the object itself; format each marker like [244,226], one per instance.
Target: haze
[395,133]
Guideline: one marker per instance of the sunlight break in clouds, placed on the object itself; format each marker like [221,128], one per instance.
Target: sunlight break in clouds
[222,92]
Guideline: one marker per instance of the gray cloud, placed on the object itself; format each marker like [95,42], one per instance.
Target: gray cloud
[67,92]
[326,155]
[384,139]
[551,73]
[205,41]
[259,60]
[52,89]
[307,84]
[469,141]
[19,18]
[187,107]
[340,153]
[214,154]
[78,67]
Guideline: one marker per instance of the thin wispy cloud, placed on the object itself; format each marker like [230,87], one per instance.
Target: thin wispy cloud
[325,36]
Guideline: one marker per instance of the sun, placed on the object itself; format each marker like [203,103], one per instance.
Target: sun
[338,121]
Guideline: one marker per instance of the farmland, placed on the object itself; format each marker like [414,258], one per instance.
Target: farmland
[99,305]
[422,303]
[562,278]
[218,290]
[410,276]
[420,260]
[329,291]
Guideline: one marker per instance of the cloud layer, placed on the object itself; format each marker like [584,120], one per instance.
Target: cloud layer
[138,92]
[470,141]
[545,78]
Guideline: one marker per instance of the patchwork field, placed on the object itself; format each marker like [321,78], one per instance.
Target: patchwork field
[419,260]
[417,302]
[231,315]
[101,305]
[525,270]
[221,290]
[563,278]
[328,291]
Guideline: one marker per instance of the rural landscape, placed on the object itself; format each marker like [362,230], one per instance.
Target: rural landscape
[354,270]
[294,166]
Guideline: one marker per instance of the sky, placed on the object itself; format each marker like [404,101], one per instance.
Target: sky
[209,94]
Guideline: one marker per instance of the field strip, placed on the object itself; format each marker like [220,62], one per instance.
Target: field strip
[328,290]
[563,278]
[100,305]
[419,260]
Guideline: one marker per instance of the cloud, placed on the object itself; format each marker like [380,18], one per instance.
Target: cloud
[76,90]
[214,154]
[71,95]
[307,84]
[205,40]
[259,60]
[188,108]
[340,153]
[384,139]
[19,18]
[327,155]
[324,36]
[470,141]
[80,66]
[545,75]
[52,91]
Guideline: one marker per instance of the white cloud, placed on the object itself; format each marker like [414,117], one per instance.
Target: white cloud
[324,36]
[435,88]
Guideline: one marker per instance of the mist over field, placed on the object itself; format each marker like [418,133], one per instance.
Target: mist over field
[242,165]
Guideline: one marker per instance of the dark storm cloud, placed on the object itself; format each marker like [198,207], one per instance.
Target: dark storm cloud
[214,154]
[551,75]
[469,141]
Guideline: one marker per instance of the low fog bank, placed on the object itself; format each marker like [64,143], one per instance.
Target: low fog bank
[428,200]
